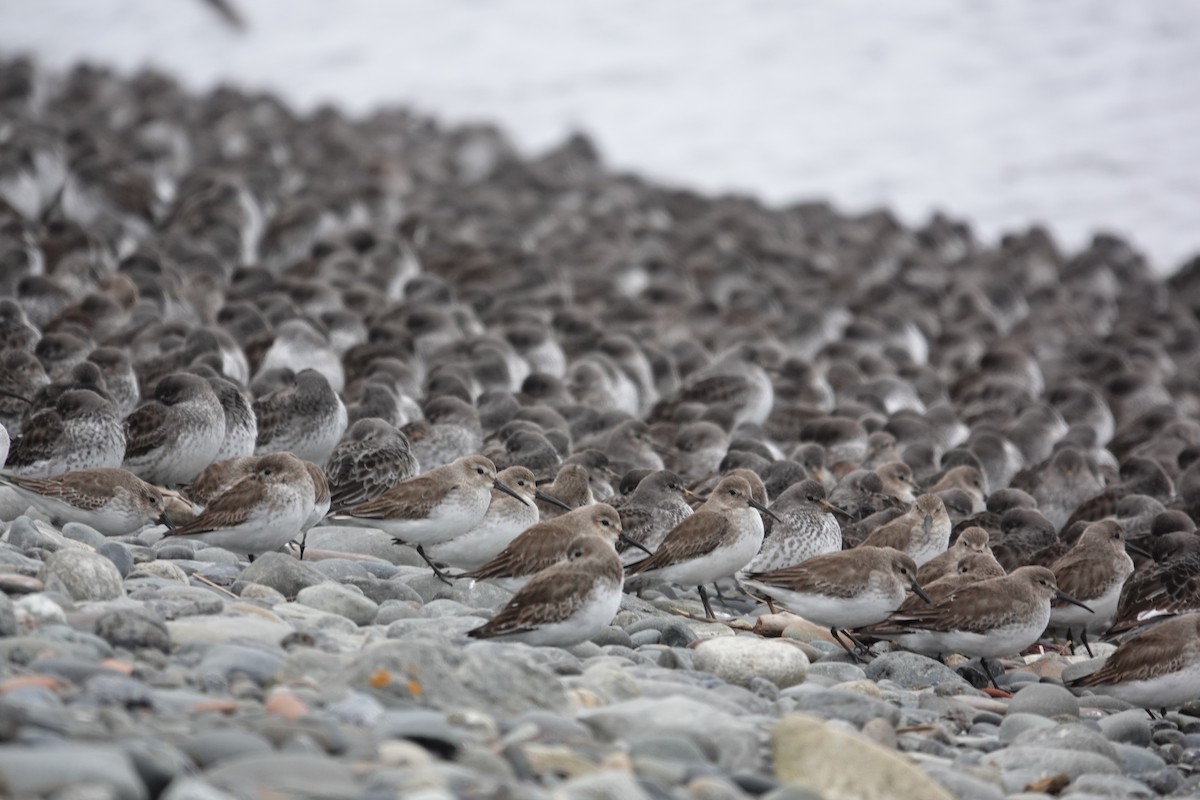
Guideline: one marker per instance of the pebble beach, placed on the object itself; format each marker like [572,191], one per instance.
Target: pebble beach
[149,666]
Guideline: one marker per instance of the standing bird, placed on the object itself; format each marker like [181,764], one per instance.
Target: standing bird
[970,540]
[260,513]
[371,458]
[434,506]
[845,589]
[450,430]
[715,542]
[506,518]
[565,604]
[1155,668]
[1093,571]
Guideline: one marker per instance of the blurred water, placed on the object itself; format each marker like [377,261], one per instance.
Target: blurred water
[1081,114]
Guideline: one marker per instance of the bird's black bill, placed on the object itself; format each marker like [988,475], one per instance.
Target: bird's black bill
[551,499]
[1066,598]
[757,505]
[163,519]
[828,506]
[631,543]
[497,484]
[1138,551]
[916,587]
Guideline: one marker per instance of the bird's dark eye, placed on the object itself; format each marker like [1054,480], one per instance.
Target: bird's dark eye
[479,470]
[267,472]
[606,523]
[904,570]
[520,483]
[153,500]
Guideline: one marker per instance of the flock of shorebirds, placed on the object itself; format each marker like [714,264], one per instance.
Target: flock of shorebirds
[239,323]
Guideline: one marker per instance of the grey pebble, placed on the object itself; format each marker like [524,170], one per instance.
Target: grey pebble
[391,610]
[282,573]
[1045,700]
[1017,724]
[49,769]
[840,672]
[78,532]
[119,555]
[81,575]
[1044,762]
[133,629]
[227,660]
[1114,786]
[852,707]
[25,534]
[912,671]
[344,601]
[613,635]
[8,617]
[286,775]
[1131,727]
[214,746]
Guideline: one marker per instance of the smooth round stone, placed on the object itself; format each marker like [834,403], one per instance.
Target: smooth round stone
[82,575]
[1015,725]
[79,532]
[8,617]
[839,704]
[334,598]
[840,672]
[24,534]
[133,630]
[1114,786]
[380,590]
[645,637]
[392,610]
[228,660]
[961,784]
[158,763]
[176,551]
[14,583]
[1046,700]
[282,573]
[435,609]
[213,746]
[667,748]
[164,570]
[218,555]
[741,659]
[613,635]
[911,670]
[119,555]
[677,634]
[1130,727]
[1043,762]
[38,610]
[46,770]
[1069,736]
[339,568]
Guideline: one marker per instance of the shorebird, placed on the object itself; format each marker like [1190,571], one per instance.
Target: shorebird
[371,458]
[1093,571]
[545,544]
[970,540]
[971,568]
[113,501]
[923,531]
[506,518]
[307,419]
[171,438]
[807,528]
[261,512]
[434,506]
[449,431]
[241,426]
[654,508]
[565,604]
[719,539]
[1167,588]
[843,590]
[570,487]
[988,619]
[82,431]
[1155,668]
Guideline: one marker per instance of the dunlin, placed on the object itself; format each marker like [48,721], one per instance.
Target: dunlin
[1166,588]
[262,512]
[241,426]
[970,568]
[565,604]
[306,419]
[114,502]
[1155,668]
[1064,485]
[171,438]
[991,618]
[506,517]
[371,458]
[119,377]
[715,542]
[806,529]
[970,540]
[218,477]
[571,487]
[923,532]
[82,431]
[546,543]
[654,508]
[449,431]
[734,381]
[21,376]
[1093,571]
[898,481]
[843,590]
[434,506]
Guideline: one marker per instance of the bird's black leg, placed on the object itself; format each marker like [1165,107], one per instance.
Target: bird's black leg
[988,671]
[850,651]
[704,599]
[436,569]
[1086,646]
